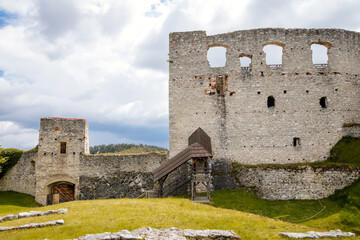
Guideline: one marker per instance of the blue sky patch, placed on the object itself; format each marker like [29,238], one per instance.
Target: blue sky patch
[1,73]
[5,18]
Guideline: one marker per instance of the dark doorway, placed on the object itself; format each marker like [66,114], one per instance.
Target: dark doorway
[271,101]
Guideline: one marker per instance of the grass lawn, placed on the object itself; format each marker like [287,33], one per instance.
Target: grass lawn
[295,211]
[11,202]
[97,216]
[339,211]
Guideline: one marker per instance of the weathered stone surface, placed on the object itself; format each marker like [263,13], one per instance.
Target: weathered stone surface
[295,182]
[163,234]
[115,185]
[34,225]
[33,214]
[212,234]
[315,235]
[21,177]
[353,131]
[222,175]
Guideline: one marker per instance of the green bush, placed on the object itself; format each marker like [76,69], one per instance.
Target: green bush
[8,158]
[350,216]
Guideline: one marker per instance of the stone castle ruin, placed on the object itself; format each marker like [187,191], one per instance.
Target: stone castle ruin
[293,112]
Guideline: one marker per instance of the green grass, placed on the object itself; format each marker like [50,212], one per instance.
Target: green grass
[97,216]
[11,202]
[287,210]
[346,151]
[342,210]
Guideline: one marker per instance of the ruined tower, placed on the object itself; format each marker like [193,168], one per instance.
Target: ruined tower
[62,141]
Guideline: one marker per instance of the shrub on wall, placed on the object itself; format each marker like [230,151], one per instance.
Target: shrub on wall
[8,158]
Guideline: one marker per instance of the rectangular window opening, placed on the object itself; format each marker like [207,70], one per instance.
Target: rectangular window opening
[63,147]
[296,142]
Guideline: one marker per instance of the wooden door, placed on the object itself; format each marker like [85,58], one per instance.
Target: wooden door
[64,191]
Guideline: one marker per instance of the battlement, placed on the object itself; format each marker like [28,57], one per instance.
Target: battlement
[189,50]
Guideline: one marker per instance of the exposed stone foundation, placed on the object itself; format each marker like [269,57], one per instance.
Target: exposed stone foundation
[116,185]
[295,182]
[168,234]
[353,131]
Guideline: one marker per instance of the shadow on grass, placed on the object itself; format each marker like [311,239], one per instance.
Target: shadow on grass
[10,198]
[295,211]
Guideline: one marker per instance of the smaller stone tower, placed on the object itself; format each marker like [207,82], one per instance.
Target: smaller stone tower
[62,142]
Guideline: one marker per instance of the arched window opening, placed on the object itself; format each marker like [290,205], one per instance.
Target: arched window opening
[323,102]
[271,101]
[245,62]
[319,55]
[216,56]
[274,53]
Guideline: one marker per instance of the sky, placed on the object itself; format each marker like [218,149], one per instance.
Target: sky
[105,60]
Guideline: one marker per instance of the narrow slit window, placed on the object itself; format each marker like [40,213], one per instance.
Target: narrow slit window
[323,102]
[271,101]
[63,147]
[296,142]
[32,166]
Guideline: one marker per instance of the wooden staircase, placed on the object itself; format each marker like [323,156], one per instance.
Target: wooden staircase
[199,149]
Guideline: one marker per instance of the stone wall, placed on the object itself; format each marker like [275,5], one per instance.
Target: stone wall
[353,131]
[222,175]
[295,182]
[117,176]
[21,177]
[62,142]
[230,104]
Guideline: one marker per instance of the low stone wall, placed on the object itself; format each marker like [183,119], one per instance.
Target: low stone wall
[21,177]
[295,182]
[115,185]
[117,176]
[353,131]
[221,172]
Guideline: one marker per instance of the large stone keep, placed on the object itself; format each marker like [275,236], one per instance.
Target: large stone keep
[286,113]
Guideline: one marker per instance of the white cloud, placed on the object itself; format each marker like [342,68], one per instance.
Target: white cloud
[13,135]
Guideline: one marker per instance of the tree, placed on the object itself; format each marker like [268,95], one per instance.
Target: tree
[2,160]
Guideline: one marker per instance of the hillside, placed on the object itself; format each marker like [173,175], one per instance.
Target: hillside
[125,148]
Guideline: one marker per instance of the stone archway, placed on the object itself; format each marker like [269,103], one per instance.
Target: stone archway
[61,192]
